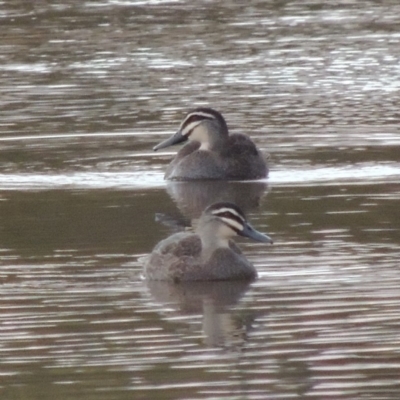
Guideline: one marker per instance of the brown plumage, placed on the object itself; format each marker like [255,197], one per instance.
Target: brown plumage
[208,254]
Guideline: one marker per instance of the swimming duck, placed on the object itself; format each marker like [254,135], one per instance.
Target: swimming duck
[212,153]
[209,254]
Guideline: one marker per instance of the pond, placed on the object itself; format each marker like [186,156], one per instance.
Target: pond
[87,90]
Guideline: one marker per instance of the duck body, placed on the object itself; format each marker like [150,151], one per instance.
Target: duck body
[179,258]
[209,254]
[213,153]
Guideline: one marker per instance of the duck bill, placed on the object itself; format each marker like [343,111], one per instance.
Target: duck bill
[252,233]
[175,139]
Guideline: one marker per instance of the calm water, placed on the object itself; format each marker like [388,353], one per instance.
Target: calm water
[88,88]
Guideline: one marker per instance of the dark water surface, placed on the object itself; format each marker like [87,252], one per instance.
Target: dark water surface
[88,88]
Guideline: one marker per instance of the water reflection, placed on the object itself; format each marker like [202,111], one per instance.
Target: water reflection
[192,198]
[212,301]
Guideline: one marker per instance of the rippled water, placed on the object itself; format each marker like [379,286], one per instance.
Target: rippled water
[88,88]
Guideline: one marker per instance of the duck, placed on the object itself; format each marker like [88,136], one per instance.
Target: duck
[212,152]
[208,253]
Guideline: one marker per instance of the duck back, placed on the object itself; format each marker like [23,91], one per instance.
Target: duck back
[242,159]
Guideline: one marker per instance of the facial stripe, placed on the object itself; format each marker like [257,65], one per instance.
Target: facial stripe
[223,210]
[199,115]
[186,130]
[233,224]
[230,217]
[194,117]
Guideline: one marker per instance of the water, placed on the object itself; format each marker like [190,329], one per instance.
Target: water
[87,89]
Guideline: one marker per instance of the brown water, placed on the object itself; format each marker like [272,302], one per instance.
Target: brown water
[88,88]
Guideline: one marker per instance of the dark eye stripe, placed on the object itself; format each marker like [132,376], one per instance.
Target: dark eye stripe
[196,117]
[234,225]
[228,212]
[229,215]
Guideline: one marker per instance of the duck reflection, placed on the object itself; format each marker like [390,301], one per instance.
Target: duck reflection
[222,324]
[193,197]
